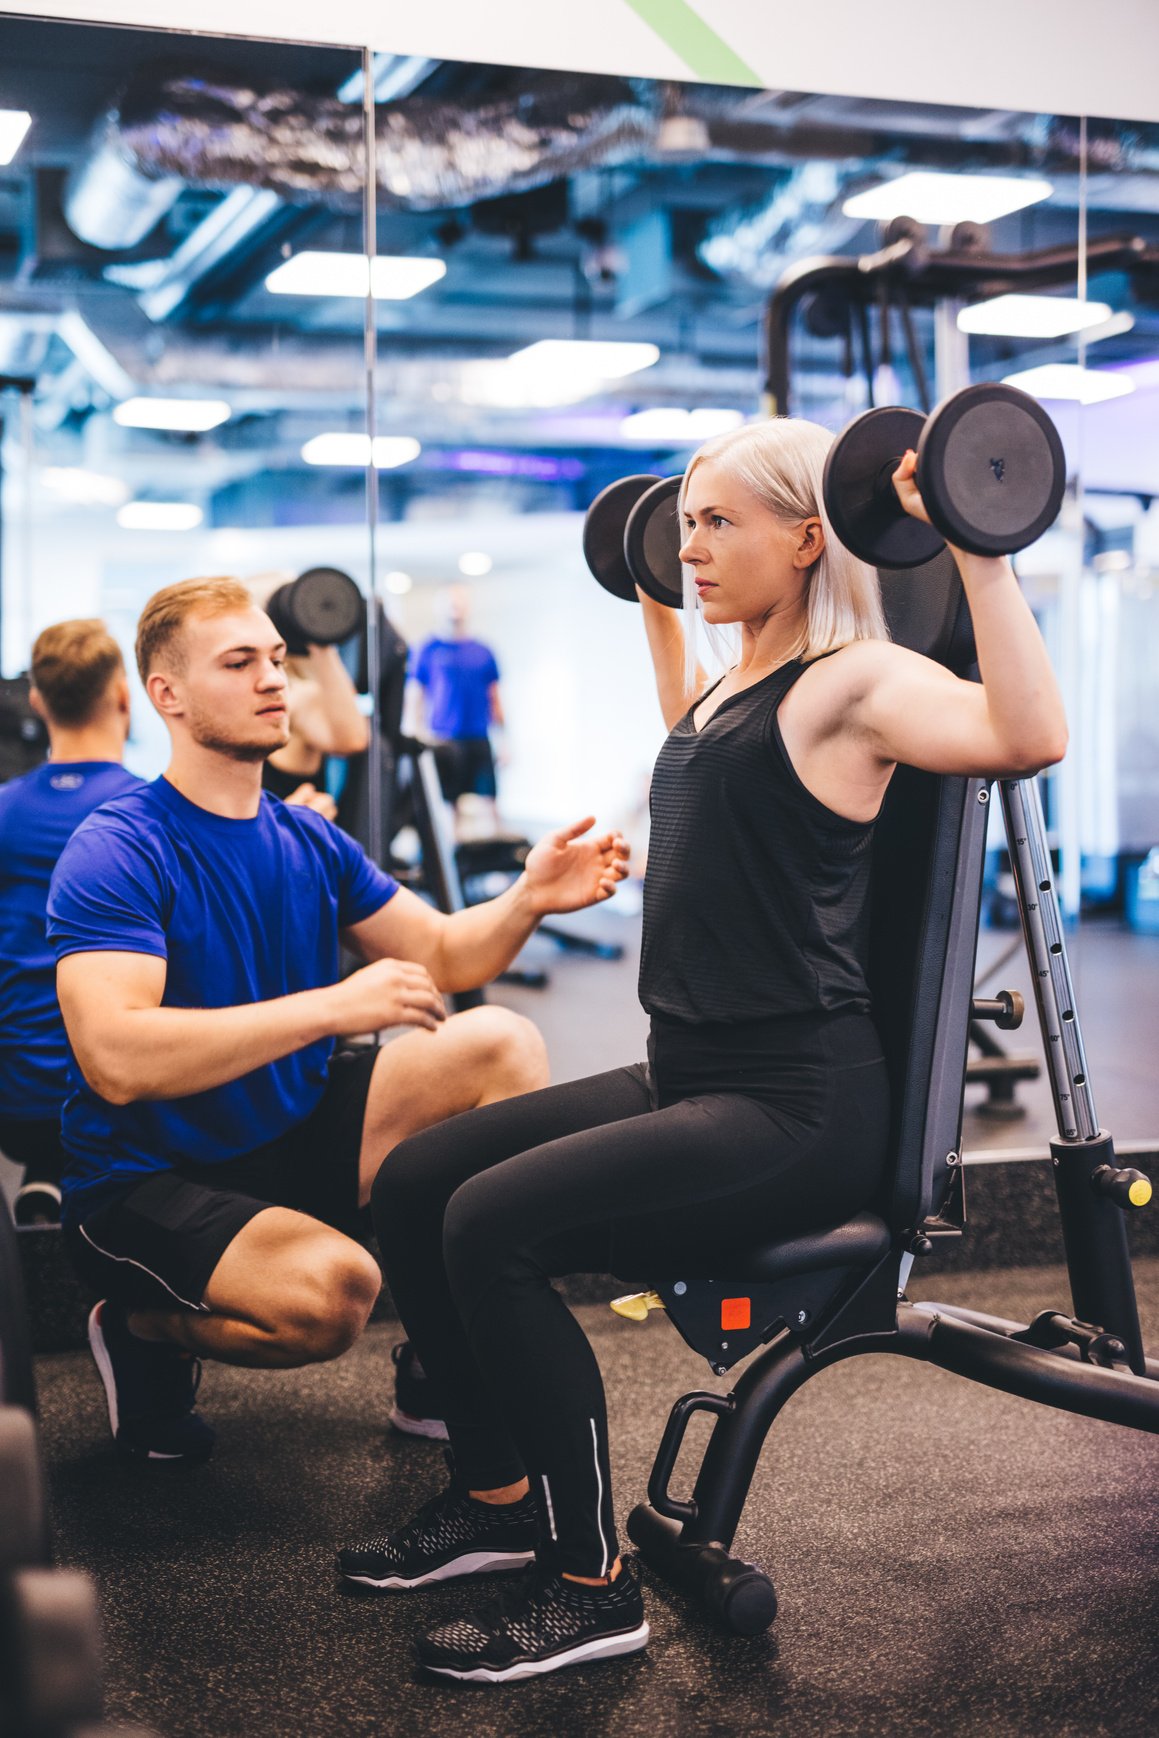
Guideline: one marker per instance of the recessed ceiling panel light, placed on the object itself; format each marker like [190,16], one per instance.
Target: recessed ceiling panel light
[84,488]
[398,583]
[1032,316]
[1068,380]
[353,451]
[159,516]
[512,386]
[685,427]
[14,123]
[933,198]
[395,277]
[474,564]
[580,356]
[183,415]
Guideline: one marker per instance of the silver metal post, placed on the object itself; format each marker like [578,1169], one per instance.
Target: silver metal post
[374,758]
[1042,929]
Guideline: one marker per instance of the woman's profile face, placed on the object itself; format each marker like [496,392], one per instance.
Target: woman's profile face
[746,560]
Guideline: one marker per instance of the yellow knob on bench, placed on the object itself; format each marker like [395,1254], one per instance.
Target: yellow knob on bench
[636,1306]
[1140,1192]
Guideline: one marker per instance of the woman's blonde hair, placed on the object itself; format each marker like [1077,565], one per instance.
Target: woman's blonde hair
[782,461]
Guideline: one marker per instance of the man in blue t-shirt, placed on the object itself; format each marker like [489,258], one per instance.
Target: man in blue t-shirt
[219,1150]
[459,683]
[80,691]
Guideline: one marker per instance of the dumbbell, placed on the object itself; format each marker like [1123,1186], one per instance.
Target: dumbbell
[632,537]
[322,607]
[990,470]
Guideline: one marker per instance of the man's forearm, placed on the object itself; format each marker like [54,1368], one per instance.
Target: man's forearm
[481,942]
[175,1052]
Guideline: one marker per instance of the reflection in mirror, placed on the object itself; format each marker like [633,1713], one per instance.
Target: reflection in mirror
[164,389]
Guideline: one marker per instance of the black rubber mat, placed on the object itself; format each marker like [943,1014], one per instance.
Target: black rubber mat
[948,1559]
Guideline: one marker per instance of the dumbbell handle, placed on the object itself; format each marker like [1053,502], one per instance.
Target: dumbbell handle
[1127,1188]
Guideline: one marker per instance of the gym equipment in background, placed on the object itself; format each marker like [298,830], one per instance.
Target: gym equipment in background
[23,737]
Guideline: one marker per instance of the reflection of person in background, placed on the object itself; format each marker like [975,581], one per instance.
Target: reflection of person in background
[324,720]
[458,680]
[80,691]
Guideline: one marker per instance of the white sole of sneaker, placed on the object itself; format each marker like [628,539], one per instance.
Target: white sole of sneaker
[105,1366]
[475,1563]
[604,1647]
[432,1428]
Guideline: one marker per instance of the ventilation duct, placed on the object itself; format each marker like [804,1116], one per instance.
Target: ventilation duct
[196,131]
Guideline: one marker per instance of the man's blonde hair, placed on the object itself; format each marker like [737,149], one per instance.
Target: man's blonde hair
[168,610]
[73,664]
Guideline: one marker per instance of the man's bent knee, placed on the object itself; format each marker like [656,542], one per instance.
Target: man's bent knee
[333,1307]
[512,1056]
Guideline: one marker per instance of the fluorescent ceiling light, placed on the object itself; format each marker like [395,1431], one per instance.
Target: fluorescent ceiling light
[353,451]
[14,123]
[1032,316]
[398,583]
[579,356]
[474,564]
[686,427]
[932,198]
[395,277]
[159,516]
[1068,380]
[512,386]
[185,415]
[84,488]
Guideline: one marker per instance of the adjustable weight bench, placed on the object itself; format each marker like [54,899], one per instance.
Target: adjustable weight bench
[840,1291]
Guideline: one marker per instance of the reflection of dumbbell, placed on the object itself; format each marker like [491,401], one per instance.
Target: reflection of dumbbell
[990,471]
[322,607]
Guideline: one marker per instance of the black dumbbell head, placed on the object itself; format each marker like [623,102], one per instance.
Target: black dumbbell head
[860,498]
[604,527]
[652,541]
[991,469]
[322,607]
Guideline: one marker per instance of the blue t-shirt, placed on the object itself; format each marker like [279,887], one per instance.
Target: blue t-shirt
[242,912]
[39,813]
[457,675]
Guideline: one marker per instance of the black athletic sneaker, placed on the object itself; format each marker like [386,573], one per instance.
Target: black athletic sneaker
[452,1535]
[539,1626]
[150,1389]
[414,1412]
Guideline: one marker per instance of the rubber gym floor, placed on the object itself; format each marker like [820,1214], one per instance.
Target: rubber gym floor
[948,1559]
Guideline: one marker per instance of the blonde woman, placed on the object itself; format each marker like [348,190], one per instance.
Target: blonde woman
[325,718]
[764,1104]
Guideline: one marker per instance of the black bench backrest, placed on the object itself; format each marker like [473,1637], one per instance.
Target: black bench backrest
[927,877]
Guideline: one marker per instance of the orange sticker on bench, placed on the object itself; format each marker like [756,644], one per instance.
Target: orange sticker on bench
[735,1312]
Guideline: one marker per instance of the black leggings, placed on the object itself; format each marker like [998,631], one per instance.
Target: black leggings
[610,1174]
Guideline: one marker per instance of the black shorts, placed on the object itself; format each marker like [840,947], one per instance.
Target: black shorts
[466,768]
[156,1246]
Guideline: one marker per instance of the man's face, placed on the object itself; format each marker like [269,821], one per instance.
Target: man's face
[230,689]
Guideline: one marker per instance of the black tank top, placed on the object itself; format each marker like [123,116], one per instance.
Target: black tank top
[756,897]
[284,784]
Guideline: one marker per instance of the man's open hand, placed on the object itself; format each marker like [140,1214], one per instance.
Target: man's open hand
[565,871]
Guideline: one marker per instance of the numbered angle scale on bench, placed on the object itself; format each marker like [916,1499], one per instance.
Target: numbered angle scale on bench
[990,469]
